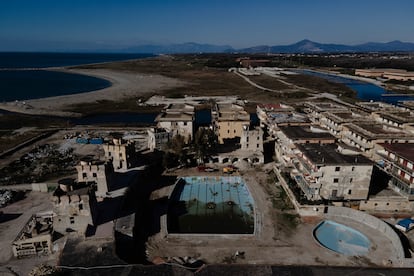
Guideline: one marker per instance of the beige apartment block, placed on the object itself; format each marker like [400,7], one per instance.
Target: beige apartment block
[229,121]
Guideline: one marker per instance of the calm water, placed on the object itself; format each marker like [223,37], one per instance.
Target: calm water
[205,204]
[342,239]
[365,91]
[19,84]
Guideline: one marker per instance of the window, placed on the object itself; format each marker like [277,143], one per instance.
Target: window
[335,180]
[247,139]
[185,123]
[84,175]
[350,180]
[353,169]
[72,220]
[349,192]
[109,153]
[228,131]
[94,174]
[337,169]
[81,206]
[257,145]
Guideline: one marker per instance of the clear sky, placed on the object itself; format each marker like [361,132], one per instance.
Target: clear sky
[93,24]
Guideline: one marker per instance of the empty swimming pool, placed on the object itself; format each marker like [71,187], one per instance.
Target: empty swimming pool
[211,205]
[341,238]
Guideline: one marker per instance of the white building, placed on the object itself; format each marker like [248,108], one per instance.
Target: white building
[322,172]
[178,119]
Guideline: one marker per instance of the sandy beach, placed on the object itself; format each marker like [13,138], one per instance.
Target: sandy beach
[124,85]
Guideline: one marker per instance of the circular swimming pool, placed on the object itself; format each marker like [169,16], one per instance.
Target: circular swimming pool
[341,238]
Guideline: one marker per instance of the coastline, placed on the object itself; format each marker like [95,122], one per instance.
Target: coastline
[123,85]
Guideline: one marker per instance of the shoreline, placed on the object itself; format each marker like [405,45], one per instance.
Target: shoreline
[124,85]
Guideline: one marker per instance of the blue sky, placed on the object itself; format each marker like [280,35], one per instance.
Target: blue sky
[93,24]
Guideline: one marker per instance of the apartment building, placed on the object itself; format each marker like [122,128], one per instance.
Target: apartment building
[322,172]
[178,119]
[398,161]
[366,136]
[229,121]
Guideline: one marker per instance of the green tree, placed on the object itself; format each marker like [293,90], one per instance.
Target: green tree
[205,143]
[175,152]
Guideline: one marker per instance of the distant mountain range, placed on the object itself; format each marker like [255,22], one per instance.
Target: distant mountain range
[303,46]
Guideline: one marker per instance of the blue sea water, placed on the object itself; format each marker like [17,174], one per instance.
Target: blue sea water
[22,79]
[365,91]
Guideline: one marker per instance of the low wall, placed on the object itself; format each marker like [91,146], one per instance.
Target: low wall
[372,222]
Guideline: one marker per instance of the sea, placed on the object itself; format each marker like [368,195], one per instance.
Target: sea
[24,76]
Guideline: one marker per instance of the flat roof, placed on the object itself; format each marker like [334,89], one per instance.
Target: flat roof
[399,117]
[174,117]
[377,131]
[404,150]
[329,155]
[305,132]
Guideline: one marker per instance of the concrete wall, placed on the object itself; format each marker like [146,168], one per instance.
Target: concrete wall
[40,187]
[372,222]
[387,204]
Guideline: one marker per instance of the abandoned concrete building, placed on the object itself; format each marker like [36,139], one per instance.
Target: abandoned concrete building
[398,161]
[272,116]
[322,172]
[178,119]
[158,138]
[121,153]
[73,206]
[95,172]
[229,121]
[366,136]
[36,236]
[334,120]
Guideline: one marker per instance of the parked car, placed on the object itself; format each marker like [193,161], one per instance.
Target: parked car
[230,169]
[203,168]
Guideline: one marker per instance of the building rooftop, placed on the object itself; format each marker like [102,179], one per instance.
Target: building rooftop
[230,112]
[306,132]
[329,155]
[174,117]
[404,150]
[179,107]
[345,116]
[326,106]
[398,117]
[372,131]
[378,106]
